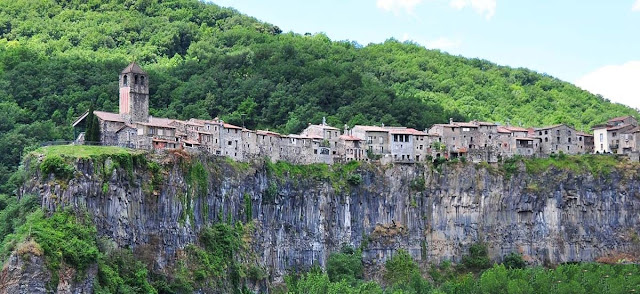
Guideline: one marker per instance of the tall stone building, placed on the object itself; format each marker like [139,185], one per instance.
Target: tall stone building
[134,94]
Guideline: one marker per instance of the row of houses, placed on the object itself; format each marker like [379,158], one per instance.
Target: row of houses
[320,143]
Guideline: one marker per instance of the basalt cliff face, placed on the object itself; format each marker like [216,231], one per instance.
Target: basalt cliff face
[300,218]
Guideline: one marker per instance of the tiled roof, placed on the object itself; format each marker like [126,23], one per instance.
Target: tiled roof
[230,126]
[549,127]
[370,128]
[268,133]
[349,138]
[108,116]
[161,122]
[619,118]
[584,134]
[407,131]
[134,68]
[465,124]
[504,130]
[515,129]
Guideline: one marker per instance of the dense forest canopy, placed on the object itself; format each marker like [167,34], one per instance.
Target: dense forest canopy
[59,57]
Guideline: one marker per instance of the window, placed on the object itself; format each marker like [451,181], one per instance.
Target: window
[569,140]
[558,132]
[580,139]
[540,133]
[125,80]
[601,135]
[614,134]
[546,139]
[229,143]
[135,81]
[569,133]
[142,80]
[546,132]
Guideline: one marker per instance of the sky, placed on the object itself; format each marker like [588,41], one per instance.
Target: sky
[594,44]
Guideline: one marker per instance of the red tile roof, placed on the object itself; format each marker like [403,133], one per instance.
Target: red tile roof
[268,133]
[370,128]
[108,116]
[349,138]
[407,131]
[230,126]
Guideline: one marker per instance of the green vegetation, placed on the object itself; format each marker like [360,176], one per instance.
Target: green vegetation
[341,176]
[402,275]
[345,265]
[68,238]
[55,165]
[598,165]
[57,59]
[84,151]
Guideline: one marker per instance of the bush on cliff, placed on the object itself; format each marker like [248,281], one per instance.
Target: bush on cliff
[345,265]
[55,165]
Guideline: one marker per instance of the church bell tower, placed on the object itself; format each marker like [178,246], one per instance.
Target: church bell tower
[134,94]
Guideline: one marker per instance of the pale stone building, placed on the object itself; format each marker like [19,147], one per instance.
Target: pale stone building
[557,139]
[614,135]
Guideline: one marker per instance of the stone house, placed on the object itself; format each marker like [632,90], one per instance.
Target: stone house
[375,140]
[614,135]
[516,141]
[231,141]
[330,136]
[157,133]
[403,142]
[585,143]
[350,147]
[268,144]
[557,138]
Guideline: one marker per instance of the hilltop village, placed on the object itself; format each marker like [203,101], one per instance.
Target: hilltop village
[476,141]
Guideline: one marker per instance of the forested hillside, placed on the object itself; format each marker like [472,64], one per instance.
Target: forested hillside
[58,57]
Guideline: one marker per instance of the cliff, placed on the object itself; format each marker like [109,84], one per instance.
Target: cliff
[300,214]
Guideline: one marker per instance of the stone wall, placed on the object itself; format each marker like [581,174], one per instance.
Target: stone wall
[554,217]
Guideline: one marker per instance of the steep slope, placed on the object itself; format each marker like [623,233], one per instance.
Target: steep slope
[57,57]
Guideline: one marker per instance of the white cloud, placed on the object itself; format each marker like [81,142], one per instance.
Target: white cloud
[398,5]
[487,8]
[442,43]
[636,6]
[619,83]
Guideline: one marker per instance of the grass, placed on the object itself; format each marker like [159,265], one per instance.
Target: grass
[84,151]
[597,165]
[340,175]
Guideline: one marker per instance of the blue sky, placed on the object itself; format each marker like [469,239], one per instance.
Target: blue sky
[592,43]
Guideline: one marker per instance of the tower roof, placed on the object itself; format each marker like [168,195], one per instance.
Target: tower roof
[134,68]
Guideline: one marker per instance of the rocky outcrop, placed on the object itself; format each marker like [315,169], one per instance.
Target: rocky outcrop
[26,272]
[301,217]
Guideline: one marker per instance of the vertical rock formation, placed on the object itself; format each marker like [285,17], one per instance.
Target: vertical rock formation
[300,218]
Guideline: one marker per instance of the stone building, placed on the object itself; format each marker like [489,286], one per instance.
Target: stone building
[614,135]
[133,127]
[556,139]
[375,140]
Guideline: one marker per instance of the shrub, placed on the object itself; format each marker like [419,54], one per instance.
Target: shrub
[400,268]
[354,179]
[514,260]
[55,165]
[345,265]
[478,258]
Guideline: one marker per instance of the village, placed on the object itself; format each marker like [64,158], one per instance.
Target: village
[475,141]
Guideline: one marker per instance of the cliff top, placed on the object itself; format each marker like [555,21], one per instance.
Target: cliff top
[84,151]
